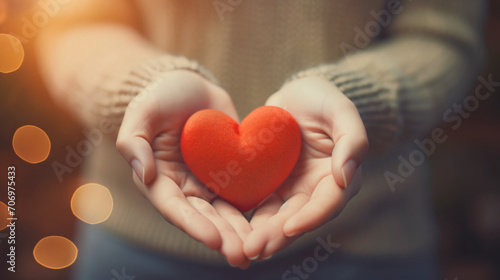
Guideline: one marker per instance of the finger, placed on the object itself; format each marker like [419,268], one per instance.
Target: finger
[170,201]
[143,189]
[193,187]
[267,236]
[327,201]
[239,223]
[348,133]
[134,143]
[266,209]
[277,240]
[234,217]
[232,245]
[256,241]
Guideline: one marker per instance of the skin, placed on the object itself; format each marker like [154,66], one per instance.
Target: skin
[315,192]
[150,133]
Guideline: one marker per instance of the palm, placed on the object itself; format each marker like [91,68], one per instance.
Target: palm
[170,165]
[150,134]
[315,191]
[314,163]
[313,169]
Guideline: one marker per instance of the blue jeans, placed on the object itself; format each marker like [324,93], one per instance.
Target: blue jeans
[105,256]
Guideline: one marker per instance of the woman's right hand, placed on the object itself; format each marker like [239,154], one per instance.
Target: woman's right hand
[149,139]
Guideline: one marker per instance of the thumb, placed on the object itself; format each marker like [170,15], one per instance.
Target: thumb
[134,143]
[350,142]
[346,158]
[138,153]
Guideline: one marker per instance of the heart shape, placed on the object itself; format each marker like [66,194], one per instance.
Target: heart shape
[244,163]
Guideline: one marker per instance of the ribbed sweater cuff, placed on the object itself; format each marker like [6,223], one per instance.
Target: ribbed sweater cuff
[104,93]
[376,101]
[146,75]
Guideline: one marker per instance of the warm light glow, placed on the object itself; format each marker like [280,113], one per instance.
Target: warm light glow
[4,214]
[55,252]
[92,203]
[11,53]
[3,11]
[31,144]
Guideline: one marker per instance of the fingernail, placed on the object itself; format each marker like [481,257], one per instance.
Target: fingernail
[290,234]
[283,207]
[268,257]
[138,169]
[254,258]
[348,171]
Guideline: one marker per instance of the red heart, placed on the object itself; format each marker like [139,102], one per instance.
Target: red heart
[241,163]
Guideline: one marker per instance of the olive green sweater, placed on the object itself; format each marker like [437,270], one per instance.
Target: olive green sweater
[402,63]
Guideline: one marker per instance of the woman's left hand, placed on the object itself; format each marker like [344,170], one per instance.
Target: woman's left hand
[327,174]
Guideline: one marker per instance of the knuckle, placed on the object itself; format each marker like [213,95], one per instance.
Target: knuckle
[121,143]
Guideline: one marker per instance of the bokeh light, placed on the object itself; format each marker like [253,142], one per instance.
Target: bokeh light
[92,203]
[4,214]
[11,53]
[31,144]
[55,252]
[3,11]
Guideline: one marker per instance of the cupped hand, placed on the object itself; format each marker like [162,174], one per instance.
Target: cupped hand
[327,174]
[149,139]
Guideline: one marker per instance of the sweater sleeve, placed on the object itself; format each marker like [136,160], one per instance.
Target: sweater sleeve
[95,67]
[403,83]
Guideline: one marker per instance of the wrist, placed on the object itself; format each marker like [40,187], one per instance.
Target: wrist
[147,74]
[309,84]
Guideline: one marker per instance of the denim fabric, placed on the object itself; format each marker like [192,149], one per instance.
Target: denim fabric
[105,256]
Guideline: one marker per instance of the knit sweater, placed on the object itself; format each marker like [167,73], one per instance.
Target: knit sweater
[402,63]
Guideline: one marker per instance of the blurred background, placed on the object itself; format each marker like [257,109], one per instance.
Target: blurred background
[466,168]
